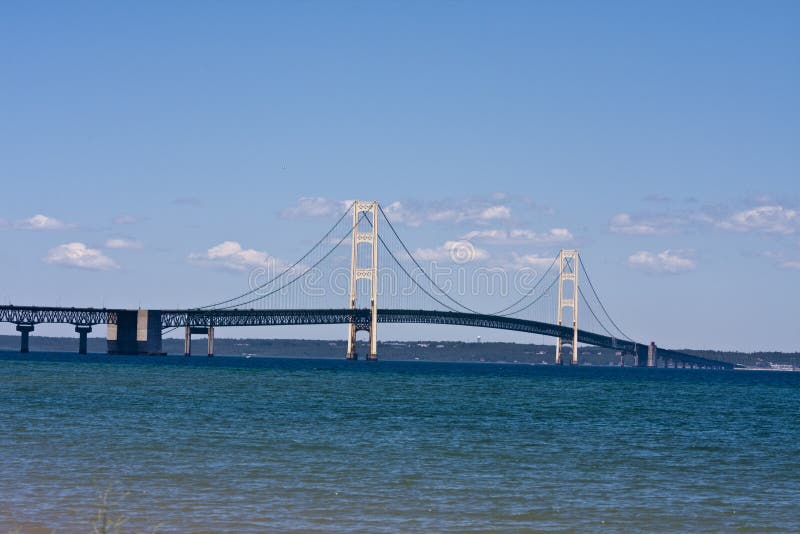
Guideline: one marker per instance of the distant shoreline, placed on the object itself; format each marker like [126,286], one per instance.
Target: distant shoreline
[442,351]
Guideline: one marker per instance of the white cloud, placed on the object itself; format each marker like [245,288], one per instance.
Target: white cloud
[231,255]
[624,223]
[40,222]
[121,242]
[782,260]
[475,211]
[316,207]
[494,213]
[488,236]
[765,218]
[444,215]
[520,236]
[664,262]
[398,213]
[771,219]
[415,213]
[79,255]
[535,261]
[460,251]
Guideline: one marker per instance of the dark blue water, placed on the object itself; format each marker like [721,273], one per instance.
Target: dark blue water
[327,445]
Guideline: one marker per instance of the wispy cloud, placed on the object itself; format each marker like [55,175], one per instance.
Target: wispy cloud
[79,255]
[125,219]
[664,262]
[316,207]
[783,260]
[122,242]
[535,261]
[41,222]
[187,201]
[231,255]
[646,224]
[766,218]
[460,251]
[494,213]
[414,213]
[399,213]
[519,236]
[471,211]
[657,198]
[769,219]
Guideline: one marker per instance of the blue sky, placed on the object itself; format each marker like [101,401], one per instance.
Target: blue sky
[663,137]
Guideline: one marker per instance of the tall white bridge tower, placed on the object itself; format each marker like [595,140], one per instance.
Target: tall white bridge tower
[568,299]
[361,211]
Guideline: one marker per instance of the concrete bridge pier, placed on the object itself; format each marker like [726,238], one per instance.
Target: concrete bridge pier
[187,340]
[134,332]
[83,331]
[566,342]
[24,330]
[634,358]
[652,355]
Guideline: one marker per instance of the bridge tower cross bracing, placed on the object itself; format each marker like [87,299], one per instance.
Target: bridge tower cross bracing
[568,273]
[368,273]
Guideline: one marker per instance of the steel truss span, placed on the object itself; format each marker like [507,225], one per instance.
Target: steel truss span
[205,318]
[55,315]
[218,318]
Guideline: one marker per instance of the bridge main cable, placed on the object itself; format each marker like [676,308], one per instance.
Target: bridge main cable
[413,259]
[529,293]
[290,282]
[588,279]
[534,301]
[288,269]
[599,322]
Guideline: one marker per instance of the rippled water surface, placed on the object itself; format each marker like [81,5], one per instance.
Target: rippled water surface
[326,445]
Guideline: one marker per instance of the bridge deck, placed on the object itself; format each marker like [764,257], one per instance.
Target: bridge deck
[236,317]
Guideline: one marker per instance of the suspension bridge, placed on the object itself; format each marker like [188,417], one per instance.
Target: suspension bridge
[379,280]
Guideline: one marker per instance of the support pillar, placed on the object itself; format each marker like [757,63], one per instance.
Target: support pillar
[652,354]
[351,342]
[640,357]
[83,331]
[187,339]
[24,330]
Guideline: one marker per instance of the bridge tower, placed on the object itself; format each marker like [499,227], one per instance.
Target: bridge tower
[568,272]
[370,209]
